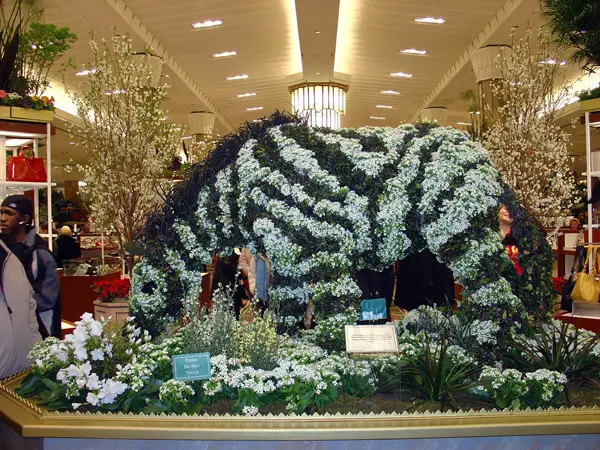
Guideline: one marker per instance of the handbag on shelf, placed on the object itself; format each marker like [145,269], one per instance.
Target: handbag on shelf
[587,286]
[25,168]
[566,302]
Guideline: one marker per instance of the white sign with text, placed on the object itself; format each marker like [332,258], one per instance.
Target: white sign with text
[371,339]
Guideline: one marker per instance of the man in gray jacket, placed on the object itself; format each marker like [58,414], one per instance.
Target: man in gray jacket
[40,266]
[18,324]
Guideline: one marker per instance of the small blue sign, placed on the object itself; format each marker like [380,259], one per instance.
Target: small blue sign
[190,367]
[373,309]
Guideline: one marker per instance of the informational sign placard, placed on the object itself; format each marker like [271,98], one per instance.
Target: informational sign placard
[190,367]
[373,309]
[371,339]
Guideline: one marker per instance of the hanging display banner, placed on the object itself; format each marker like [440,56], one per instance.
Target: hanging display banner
[191,367]
[371,339]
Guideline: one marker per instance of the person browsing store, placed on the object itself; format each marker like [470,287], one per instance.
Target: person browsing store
[40,266]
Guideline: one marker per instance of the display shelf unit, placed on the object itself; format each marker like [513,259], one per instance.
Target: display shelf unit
[590,119]
[13,136]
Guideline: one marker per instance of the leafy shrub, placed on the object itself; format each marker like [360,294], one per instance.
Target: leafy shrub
[513,390]
[330,333]
[437,371]
[557,346]
[257,343]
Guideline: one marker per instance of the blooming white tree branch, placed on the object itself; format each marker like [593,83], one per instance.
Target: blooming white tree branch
[525,144]
[127,139]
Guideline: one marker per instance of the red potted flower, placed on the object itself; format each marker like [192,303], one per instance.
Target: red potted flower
[112,300]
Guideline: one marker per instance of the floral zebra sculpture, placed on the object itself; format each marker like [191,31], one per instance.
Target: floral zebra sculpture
[323,204]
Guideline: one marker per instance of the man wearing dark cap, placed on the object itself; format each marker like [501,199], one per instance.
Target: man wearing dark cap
[21,238]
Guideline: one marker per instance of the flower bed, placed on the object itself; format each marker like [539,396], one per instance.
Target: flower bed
[254,370]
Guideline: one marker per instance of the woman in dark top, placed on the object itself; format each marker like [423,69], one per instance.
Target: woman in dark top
[508,240]
[66,246]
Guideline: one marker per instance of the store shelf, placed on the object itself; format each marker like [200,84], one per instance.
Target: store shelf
[29,130]
[25,184]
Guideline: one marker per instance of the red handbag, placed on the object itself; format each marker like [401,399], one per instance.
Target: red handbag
[25,168]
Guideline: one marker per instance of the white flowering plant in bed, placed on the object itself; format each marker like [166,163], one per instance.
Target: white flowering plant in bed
[122,369]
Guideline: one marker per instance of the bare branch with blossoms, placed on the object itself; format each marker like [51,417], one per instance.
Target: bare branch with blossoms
[525,144]
[128,142]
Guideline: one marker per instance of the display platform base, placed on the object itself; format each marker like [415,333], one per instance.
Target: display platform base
[67,430]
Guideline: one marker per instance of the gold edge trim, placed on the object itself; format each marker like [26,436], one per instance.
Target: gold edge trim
[31,421]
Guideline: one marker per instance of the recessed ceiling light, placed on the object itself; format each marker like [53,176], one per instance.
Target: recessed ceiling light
[384,106]
[224,54]
[247,94]
[318,73]
[437,20]
[85,72]
[207,24]
[413,51]
[317,32]
[256,108]
[72,142]
[400,75]
[553,61]
[390,92]
[377,118]
[237,77]
[463,123]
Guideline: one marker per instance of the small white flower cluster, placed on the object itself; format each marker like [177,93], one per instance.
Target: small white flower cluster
[175,392]
[477,196]
[85,345]
[208,229]
[459,355]
[190,279]
[484,331]
[497,293]
[550,382]
[228,373]
[303,161]
[394,205]
[512,388]
[330,332]
[370,163]
[301,351]
[85,358]
[190,242]
[224,187]
[466,266]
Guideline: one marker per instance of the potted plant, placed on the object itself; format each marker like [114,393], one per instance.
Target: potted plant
[28,51]
[589,100]
[113,300]
[575,26]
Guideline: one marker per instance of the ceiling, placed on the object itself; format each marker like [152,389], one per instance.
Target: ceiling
[313,40]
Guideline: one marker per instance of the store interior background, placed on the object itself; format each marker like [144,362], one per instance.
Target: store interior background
[277,40]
